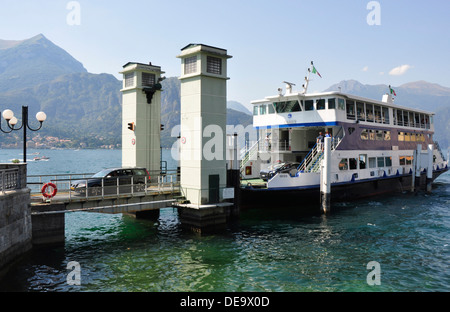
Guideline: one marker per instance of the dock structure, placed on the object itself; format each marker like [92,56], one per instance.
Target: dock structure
[203,133]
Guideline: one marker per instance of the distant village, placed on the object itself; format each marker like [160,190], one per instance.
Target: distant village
[51,142]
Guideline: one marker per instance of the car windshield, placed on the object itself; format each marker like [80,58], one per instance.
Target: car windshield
[102,173]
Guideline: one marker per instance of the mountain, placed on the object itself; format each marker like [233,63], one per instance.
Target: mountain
[35,60]
[86,108]
[419,94]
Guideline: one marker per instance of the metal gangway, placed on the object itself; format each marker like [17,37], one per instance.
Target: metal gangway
[166,182]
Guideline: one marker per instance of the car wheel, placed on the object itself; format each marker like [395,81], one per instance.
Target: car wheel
[95,191]
[140,187]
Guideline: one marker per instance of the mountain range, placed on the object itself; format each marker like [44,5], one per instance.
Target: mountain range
[86,108]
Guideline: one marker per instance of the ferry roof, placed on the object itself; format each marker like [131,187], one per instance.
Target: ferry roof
[298,95]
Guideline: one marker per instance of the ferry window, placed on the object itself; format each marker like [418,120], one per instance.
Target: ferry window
[294,106]
[350,110]
[287,106]
[362,161]
[372,162]
[400,117]
[431,120]
[309,105]
[341,104]
[369,112]
[388,161]
[380,162]
[377,114]
[271,109]
[401,136]
[371,135]
[379,135]
[405,119]
[350,130]
[343,164]
[408,160]
[387,135]
[385,115]
[417,120]
[255,110]
[331,103]
[360,111]
[402,160]
[262,109]
[353,163]
[364,135]
[413,137]
[407,137]
[320,104]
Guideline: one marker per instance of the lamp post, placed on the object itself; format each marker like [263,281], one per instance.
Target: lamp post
[11,121]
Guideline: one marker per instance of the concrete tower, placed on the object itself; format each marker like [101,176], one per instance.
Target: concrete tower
[141,116]
[203,122]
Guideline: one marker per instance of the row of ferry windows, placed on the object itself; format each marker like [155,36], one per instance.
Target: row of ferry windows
[355,110]
[298,106]
[374,162]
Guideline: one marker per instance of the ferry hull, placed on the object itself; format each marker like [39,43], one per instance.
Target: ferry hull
[308,199]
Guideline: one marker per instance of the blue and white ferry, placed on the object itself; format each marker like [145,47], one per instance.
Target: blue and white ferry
[377,147]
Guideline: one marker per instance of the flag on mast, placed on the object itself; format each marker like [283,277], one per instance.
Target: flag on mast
[314,71]
[392,91]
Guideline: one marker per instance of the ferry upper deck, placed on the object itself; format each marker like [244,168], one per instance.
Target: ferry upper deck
[326,109]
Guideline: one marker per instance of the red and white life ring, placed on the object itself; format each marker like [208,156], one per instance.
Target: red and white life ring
[45,187]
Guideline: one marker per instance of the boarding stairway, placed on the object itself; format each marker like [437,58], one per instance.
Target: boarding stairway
[249,154]
[311,163]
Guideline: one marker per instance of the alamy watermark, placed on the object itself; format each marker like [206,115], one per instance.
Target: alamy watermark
[74,16]
[74,276]
[374,276]
[374,16]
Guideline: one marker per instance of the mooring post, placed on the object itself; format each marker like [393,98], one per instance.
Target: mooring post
[418,166]
[429,167]
[325,177]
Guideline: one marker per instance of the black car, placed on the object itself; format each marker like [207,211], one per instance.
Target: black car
[267,174]
[114,181]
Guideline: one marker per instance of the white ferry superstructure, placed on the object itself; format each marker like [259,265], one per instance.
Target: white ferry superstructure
[372,150]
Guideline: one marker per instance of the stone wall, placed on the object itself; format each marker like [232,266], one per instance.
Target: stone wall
[15,224]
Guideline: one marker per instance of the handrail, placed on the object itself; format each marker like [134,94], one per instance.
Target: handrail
[9,179]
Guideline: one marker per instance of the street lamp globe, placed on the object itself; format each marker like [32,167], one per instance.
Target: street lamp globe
[13,121]
[8,114]
[41,116]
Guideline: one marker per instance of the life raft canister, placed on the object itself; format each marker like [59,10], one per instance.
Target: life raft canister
[45,187]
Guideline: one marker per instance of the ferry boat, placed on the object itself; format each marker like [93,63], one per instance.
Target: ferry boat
[377,147]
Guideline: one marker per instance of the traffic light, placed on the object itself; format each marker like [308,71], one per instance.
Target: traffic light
[131,126]
[162,127]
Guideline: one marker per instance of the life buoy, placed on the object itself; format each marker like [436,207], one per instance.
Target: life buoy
[45,187]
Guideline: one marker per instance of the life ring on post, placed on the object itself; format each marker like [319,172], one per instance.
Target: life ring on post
[45,187]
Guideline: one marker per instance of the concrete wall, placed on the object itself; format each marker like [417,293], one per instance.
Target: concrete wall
[15,224]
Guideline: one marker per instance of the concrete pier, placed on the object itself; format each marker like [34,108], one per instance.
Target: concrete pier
[15,213]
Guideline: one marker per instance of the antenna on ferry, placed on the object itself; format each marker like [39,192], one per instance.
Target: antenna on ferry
[305,85]
[289,86]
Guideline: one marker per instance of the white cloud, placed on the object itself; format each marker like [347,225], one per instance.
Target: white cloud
[399,70]
[365,68]
[381,73]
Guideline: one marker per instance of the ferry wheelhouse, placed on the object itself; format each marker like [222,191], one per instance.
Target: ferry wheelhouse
[373,150]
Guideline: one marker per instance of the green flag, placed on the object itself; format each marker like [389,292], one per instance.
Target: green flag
[314,70]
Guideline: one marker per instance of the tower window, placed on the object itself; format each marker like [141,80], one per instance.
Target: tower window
[129,80]
[214,65]
[190,65]
[148,80]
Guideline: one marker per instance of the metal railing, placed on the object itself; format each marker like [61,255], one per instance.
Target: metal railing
[77,186]
[9,179]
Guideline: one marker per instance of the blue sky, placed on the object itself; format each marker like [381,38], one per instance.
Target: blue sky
[270,41]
